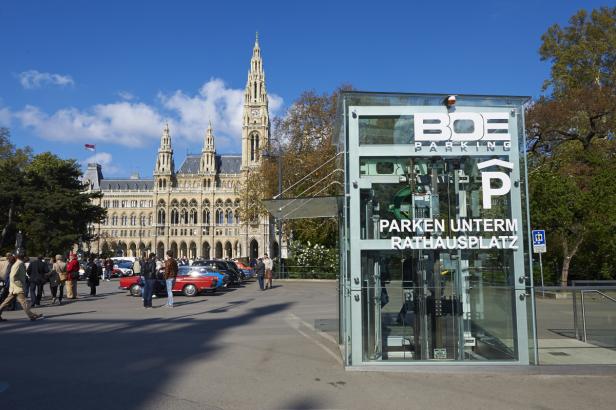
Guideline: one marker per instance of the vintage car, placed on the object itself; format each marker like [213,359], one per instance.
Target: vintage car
[189,283]
[196,270]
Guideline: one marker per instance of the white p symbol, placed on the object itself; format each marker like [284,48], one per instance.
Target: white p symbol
[486,181]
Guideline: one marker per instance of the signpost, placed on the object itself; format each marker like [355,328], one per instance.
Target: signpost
[539,247]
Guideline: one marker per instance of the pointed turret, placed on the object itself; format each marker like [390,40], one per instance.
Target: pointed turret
[208,153]
[165,168]
[255,130]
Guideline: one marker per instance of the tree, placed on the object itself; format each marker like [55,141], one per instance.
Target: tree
[305,135]
[582,103]
[43,197]
[12,163]
[571,143]
[57,211]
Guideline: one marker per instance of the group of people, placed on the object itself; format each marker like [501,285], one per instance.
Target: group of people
[23,278]
[263,268]
[149,270]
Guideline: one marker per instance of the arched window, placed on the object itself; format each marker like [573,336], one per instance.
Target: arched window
[183,216]
[175,217]
[254,146]
[124,220]
[161,216]
[206,216]
[237,217]
[219,217]
[193,217]
[229,217]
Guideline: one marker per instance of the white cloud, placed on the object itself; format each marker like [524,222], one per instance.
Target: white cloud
[120,123]
[104,159]
[34,79]
[125,95]
[133,124]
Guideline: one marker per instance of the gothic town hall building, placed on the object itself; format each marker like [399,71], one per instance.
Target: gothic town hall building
[193,210]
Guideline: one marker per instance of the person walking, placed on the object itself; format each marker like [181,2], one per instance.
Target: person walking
[137,267]
[171,272]
[269,264]
[16,290]
[72,275]
[149,280]
[93,274]
[260,271]
[37,272]
[108,269]
[5,270]
[57,278]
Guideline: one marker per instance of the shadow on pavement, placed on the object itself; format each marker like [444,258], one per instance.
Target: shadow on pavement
[108,364]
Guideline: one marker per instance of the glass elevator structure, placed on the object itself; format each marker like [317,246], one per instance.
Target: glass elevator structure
[434,230]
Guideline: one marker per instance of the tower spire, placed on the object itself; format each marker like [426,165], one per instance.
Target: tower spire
[255,128]
[208,153]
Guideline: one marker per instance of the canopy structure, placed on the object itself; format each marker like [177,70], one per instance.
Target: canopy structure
[301,208]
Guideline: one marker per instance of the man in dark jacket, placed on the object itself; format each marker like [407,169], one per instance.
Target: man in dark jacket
[37,272]
[260,271]
[149,279]
[92,271]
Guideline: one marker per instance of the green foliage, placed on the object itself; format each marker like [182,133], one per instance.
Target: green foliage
[45,197]
[312,257]
[570,133]
[305,135]
[582,54]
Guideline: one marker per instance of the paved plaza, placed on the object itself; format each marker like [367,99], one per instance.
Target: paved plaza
[242,349]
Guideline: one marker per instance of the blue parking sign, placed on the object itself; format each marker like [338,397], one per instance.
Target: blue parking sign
[539,245]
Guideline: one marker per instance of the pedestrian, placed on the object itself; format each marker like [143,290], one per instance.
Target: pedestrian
[108,269]
[269,264]
[260,271]
[5,270]
[149,280]
[72,275]
[137,267]
[57,279]
[37,272]
[93,275]
[16,290]
[171,272]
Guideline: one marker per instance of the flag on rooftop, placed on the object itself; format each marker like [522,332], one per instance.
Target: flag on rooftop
[90,147]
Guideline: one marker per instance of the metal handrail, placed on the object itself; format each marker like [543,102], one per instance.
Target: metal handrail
[583,306]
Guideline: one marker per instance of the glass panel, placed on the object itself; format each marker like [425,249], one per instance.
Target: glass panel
[386,129]
[436,305]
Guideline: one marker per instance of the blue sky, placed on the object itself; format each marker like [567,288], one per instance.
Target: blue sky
[111,73]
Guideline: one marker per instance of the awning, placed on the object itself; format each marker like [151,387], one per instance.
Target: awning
[300,208]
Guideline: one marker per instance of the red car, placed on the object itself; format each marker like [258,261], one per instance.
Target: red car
[189,285]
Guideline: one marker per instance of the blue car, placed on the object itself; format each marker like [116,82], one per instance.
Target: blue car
[204,271]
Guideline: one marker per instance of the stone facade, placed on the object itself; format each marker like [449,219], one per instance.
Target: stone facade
[194,211]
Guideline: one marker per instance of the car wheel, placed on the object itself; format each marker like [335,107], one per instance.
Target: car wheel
[190,290]
[135,290]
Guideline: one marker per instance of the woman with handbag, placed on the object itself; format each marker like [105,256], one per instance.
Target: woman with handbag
[57,277]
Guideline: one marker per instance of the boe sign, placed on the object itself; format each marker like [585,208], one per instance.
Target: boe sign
[462,126]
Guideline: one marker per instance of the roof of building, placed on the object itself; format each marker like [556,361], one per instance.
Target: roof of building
[225,164]
[127,184]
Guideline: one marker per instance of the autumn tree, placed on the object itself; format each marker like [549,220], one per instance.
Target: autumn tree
[303,138]
[570,134]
